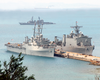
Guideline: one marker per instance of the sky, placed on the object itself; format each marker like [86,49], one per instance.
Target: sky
[52,4]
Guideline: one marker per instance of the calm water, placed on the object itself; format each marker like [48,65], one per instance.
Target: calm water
[51,68]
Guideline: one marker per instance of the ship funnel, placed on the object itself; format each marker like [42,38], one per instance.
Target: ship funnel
[56,39]
[26,39]
[31,39]
[64,40]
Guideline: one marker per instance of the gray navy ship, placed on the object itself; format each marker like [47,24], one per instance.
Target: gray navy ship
[75,42]
[36,45]
[31,22]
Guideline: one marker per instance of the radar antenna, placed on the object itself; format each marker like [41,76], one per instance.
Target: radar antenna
[76,28]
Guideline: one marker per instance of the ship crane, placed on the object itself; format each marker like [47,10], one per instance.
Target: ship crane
[76,28]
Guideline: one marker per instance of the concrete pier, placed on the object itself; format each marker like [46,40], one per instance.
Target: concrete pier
[78,56]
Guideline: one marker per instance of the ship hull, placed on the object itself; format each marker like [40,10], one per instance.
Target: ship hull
[35,23]
[41,52]
[83,50]
[26,23]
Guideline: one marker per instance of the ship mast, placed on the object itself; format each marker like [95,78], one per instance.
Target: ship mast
[34,30]
[39,29]
[76,28]
[32,19]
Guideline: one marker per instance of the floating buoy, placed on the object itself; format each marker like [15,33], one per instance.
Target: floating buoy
[18,44]
[8,42]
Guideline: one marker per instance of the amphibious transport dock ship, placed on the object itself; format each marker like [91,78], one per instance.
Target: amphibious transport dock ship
[75,42]
[36,45]
[31,22]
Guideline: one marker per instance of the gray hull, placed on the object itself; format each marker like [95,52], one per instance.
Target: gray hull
[36,23]
[83,50]
[27,23]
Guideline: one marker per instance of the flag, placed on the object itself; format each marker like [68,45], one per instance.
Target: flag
[11,39]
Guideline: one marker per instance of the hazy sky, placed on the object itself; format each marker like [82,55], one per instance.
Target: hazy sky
[31,4]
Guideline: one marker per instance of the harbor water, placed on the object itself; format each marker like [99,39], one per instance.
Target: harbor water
[56,68]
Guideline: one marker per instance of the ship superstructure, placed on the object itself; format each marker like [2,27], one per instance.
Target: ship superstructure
[36,45]
[76,42]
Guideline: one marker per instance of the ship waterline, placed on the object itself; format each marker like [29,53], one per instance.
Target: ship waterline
[46,52]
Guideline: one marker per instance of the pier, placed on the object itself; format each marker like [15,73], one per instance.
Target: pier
[78,56]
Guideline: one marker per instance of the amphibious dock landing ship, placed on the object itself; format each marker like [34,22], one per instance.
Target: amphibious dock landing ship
[36,45]
[75,42]
[31,22]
